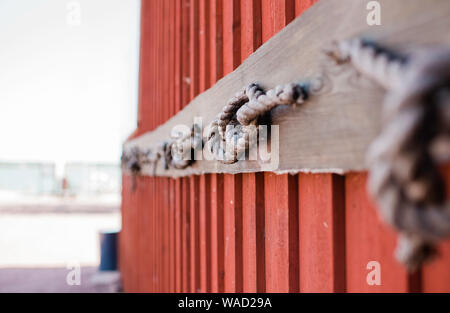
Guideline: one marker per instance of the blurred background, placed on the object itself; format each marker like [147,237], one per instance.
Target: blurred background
[68,100]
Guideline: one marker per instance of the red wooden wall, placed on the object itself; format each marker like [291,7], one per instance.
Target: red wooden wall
[257,232]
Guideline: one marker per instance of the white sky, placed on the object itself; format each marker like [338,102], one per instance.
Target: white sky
[68,90]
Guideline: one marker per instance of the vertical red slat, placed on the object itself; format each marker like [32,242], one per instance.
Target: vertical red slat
[178,237]
[194,45]
[205,233]
[251,27]
[153,230]
[368,239]
[204,46]
[275,15]
[157,64]
[157,240]
[217,233]
[252,184]
[232,183]
[144,78]
[253,220]
[162,107]
[141,268]
[178,55]
[124,237]
[322,233]
[134,239]
[436,274]
[281,190]
[233,232]
[194,233]
[186,259]
[205,80]
[216,223]
[166,234]
[172,111]
[216,41]
[281,233]
[151,239]
[184,182]
[194,80]
[154,117]
[231,35]
[186,52]
[178,106]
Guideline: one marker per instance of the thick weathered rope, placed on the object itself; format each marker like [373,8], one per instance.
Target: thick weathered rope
[384,66]
[230,134]
[403,160]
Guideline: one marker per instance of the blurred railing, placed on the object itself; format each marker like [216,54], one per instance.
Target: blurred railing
[34,178]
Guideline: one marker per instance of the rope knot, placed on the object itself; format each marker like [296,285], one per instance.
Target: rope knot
[232,132]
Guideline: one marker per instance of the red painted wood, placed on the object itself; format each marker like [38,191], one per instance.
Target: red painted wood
[253,220]
[217,233]
[178,57]
[251,27]
[133,234]
[144,60]
[178,237]
[302,5]
[281,222]
[232,183]
[186,263]
[233,233]
[157,240]
[216,180]
[205,233]
[204,45]
[166,234]
[281,205]
[205,201]
[124,239]
[171,236]
[142,247]
[322,232]
[436,274]
[216,40]
[185,189]
[195,233]
[252,184]
[186,52]
[152,237]
[172,110]
[231,35]
[368,239]
[194,44]
[275,15]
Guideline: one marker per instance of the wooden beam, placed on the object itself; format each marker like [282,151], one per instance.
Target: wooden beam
[309,141]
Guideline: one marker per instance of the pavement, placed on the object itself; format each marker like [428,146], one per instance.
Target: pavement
[43,245]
